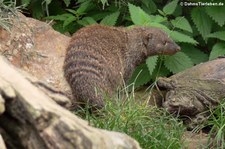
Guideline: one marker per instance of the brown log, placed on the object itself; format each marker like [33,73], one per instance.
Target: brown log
[2,143]
[33,120]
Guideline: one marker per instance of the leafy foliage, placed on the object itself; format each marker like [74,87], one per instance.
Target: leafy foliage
[178,62]
[196,55]
[175,63]
[110,19]
[141,76]
[182,23]
[86,21]
[25,2]
[185,33]
[217,50]
[220,35]
[151,63]
[217,14]
[138,16]
[200,31]
[202,21]
[170,7]
[180,37]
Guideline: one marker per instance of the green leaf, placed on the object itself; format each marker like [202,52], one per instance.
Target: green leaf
[138,16]
[220,35]
[182,23]
[180,37]
[86,21]
[110,19]
[72,11]
[157,18]
[48,2]
[61,17]
[170,7]
[160,71]
[69,20]
[67,2]
[59,27]
[202,21]
[25,3]
[150,5]
[85,6]
[151,63]
[140,76]
[178,62]
[195,54]
[37,9]
[99,15]
[217,14]
[161,13]
[158,25]
[217,50]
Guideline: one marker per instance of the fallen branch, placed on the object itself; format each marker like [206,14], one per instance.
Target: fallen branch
[33,120]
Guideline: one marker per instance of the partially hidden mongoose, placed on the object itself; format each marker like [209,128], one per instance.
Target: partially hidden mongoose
[99,58]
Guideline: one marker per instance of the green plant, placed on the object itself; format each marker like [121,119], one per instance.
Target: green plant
[76,18]
[41,8]
[7,10]
[199,31]
[151,127]
[192,39]
[217,122]
[69,16]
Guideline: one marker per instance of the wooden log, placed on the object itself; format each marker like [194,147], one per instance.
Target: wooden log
[2,143]
[34,121]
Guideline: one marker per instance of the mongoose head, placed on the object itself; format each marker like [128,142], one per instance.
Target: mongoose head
[158,42]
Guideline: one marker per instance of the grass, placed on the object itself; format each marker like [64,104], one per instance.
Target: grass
[152,127]
[7,10]
[215,127]
[217,121]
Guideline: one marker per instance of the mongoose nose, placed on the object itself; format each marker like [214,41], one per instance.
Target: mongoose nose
[178,48]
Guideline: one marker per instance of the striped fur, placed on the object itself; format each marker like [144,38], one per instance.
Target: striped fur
[100,57]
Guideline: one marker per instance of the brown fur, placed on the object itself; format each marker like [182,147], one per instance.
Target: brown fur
[100,57]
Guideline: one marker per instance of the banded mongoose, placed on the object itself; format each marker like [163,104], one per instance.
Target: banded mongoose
[98,58]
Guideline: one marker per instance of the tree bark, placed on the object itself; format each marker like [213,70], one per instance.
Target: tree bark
[32,120]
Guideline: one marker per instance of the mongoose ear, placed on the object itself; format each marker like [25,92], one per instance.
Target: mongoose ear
[147,38]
